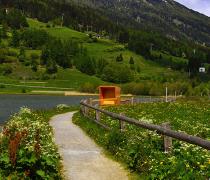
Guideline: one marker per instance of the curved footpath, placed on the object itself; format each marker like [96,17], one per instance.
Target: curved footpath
[82,158]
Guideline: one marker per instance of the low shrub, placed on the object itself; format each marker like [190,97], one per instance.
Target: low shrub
[5,69]
[88,87]
[27,148]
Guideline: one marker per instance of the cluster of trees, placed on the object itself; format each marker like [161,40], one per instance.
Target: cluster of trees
[144,43]
[177,63]
[117,73]
[61,53]
[111,72]
[66,54]
[30,38]
[13,18]
[154,88]
[65,13]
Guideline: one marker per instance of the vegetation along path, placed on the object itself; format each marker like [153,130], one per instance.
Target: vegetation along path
[82,157]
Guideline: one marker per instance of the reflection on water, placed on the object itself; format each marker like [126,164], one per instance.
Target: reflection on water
[10,104]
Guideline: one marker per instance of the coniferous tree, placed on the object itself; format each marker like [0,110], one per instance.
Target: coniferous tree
[119,58]
[16,19]
[22,55]
[34,63]
[131,61]
[15,42]
[4,30]
[123,36]
[51,67]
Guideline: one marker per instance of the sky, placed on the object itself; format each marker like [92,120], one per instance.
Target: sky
[202,6]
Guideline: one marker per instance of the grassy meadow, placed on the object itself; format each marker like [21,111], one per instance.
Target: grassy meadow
[71,79]
[142,150]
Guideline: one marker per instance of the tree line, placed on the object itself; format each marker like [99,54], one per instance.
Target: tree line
[65,13]
[144,43]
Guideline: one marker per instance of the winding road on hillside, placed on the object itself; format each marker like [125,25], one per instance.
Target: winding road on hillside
[82,158]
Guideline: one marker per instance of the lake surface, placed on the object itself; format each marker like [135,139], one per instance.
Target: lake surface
[10,104]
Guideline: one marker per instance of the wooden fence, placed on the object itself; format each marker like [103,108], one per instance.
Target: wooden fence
[164,129]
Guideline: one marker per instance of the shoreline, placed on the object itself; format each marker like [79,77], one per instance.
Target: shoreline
[57,93]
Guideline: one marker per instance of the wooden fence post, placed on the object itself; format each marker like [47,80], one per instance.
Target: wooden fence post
[89,102]
[167,140]
[85,108]
[122,123]
[98,115]
[82,109]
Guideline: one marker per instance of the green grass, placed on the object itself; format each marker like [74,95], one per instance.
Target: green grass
[60,32]
[142,150]
[191,117]
[73,79]
[109,50]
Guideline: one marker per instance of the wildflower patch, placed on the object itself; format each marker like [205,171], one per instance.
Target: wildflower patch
[27,149]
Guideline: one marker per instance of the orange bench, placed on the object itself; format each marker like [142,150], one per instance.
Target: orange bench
[109,95]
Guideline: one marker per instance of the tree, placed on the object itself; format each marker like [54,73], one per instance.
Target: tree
[0,36]
[51,67]
[15,38]
[35,38]
[34,63]
[100,65]
[131,61]
[123,36]
[86,65]
[4,30]
[117,73]
[16,19]
[22,55]
[195,61]
[119,58]
[45,55]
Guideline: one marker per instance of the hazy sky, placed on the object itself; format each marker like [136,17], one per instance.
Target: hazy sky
[202,6]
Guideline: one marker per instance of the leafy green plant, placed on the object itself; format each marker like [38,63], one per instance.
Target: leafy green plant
[27,150]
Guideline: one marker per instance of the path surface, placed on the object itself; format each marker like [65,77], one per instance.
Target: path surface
[83,159]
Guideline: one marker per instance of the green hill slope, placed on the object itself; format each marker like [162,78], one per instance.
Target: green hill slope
[109,50]
[72,79]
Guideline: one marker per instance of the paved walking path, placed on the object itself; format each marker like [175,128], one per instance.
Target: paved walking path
[82,158]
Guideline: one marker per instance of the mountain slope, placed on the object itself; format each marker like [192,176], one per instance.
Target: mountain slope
[165,16]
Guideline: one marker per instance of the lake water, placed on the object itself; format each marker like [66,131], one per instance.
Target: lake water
[10,104]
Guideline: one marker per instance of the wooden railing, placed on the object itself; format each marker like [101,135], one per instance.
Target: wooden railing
[165,130]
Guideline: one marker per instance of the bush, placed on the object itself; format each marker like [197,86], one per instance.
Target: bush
[2,86]
[34,56]
[10,59]
[5,70]
[86,65]
[137,88]
[88,87]
[23,91]
[51,67]
[27,148]
[117,73]
[34,38]
[12,53]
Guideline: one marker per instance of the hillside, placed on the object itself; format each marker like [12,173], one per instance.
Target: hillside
[165,16]
[72,79]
